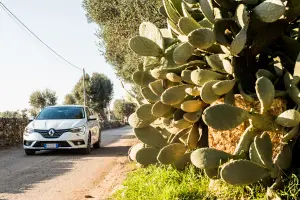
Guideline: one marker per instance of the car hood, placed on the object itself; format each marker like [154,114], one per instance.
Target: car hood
[56,124]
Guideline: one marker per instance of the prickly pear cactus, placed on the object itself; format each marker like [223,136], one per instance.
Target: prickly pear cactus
[220,84]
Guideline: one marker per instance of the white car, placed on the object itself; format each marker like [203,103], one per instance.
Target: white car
[62,127]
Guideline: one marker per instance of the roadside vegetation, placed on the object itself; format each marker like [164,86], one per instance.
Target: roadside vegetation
[163,183]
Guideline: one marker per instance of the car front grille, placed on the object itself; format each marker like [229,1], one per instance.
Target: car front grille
[57,134]
[60,143]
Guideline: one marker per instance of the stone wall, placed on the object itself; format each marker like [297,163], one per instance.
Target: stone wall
[11,131]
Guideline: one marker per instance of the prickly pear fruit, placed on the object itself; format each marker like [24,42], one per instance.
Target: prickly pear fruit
[207,158]
[151,136]
[171,153]
[159,73]
[195,91]
[243,172]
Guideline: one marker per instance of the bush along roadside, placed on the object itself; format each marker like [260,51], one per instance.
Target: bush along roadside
[211,55]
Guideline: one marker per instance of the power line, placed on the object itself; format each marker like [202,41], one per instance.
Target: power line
[16,18]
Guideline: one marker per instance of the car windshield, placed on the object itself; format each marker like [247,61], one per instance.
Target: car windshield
[61,113]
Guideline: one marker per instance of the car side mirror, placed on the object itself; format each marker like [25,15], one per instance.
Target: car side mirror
[30,119]
[92,117]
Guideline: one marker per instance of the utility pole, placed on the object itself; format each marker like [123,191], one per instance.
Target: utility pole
[84,92]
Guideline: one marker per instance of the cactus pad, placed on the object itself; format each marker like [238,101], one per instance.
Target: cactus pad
[224,116]
[243,172]
[207,158]
[266,92]
[289,118]
[202,38]
[263,145]
[145,47]
[147,156]
[171,153]
[150,136]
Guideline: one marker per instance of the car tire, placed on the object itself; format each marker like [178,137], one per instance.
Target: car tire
[97,145]
[88,149]
[29,152]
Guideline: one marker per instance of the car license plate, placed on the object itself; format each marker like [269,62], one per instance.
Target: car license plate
[51,146]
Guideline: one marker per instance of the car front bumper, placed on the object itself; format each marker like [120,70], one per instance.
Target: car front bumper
[67,140]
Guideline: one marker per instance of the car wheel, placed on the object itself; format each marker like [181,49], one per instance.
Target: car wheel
[97,145]
[88,149]
[29,152]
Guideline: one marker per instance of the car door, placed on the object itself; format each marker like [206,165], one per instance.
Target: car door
[92,126]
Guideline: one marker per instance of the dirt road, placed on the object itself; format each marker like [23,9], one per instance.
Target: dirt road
[62,175]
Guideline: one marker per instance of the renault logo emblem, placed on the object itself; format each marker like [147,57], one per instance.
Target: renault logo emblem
[51,132]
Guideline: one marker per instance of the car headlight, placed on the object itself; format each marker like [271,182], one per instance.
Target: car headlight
[29,130]
[80,130]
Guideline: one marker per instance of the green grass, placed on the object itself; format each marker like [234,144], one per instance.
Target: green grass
[164,183]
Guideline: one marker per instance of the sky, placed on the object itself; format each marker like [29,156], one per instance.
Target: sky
[26,65]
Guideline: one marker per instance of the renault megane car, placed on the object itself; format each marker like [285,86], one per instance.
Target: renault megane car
[62,127]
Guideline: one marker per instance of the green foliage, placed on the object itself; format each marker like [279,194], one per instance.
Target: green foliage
[69,100]
[166,183]
[119,21]
[99,91]
[41,99]
[123,109]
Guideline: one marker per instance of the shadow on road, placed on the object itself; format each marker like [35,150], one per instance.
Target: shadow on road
[19,173]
